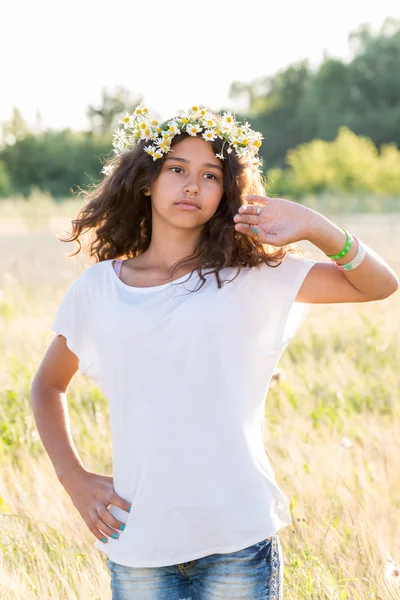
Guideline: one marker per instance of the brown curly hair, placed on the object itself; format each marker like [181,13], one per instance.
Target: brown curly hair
[117,215]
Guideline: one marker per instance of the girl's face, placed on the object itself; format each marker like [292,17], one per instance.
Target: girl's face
[190,171]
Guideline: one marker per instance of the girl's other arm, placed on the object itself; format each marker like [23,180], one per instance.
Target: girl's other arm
[91,493]
[50,409]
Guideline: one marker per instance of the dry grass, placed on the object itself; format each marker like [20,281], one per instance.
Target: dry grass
[332,431]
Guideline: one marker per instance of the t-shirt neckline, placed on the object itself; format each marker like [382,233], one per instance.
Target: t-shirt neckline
[149,288]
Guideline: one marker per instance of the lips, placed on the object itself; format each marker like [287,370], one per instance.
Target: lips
[187,201]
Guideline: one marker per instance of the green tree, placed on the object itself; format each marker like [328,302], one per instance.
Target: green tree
[104,118]
[275,113]
[55,161]
[15,129]
[296,105]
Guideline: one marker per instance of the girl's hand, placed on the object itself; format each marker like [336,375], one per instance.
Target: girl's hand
[91,495]
[280,222]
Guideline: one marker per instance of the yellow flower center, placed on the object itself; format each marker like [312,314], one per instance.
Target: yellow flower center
[218,131]
[147,131]
[257,143]
[143,126]
[126,120]
[154,122]
[137,134]
[185,120]
[195,109]
[228,120]
[245,142]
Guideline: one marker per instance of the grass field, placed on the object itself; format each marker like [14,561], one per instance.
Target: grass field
[333,430]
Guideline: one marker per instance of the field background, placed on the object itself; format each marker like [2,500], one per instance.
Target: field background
[332,432]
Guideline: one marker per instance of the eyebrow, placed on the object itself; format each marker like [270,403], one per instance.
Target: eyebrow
[184,160]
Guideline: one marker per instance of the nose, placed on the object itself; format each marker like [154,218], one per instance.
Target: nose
[191,189]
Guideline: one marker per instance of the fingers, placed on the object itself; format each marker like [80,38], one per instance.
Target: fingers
[103,523]
[247,228]
[247,219]
[96,526]
[120,502]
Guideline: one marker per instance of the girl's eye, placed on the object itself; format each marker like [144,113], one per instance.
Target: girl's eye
[210,176]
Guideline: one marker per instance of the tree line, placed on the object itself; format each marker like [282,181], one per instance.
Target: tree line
[333,128]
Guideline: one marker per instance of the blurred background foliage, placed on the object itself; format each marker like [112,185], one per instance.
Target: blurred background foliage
[335,129]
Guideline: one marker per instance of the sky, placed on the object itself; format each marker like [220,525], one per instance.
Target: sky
[58,56]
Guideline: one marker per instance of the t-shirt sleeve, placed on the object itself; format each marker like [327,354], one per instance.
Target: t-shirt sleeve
[72,320]
[289,279]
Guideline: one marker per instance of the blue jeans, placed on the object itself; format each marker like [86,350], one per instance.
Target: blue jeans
[254,573]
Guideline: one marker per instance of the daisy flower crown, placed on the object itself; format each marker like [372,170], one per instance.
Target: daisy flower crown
[139,126]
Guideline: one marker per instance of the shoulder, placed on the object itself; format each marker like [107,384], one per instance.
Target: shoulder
[288,269]
[91,276]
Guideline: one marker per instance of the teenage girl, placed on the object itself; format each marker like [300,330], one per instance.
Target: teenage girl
[193,296]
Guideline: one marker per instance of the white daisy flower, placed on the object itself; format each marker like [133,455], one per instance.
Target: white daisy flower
[167,135]
[225,128]
[193,111]
[119,134]
[193,129]
[256,138]
[164,147]
[128,120]
[145,134]
[209,122]
[140,110]
[149,150]
[255,162]
[173,127]
[220,155]
[237,131]
[209,135]
[228,119]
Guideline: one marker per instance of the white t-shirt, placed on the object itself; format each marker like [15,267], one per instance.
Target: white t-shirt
[186,375]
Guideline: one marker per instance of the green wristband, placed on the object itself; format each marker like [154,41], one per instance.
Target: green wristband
[347,246]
